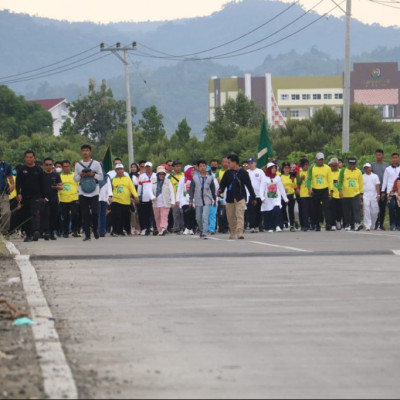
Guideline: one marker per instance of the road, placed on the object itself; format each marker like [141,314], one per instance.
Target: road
[284,315]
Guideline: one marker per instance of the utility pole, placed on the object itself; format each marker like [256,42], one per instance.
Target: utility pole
[124,59]
[346,83]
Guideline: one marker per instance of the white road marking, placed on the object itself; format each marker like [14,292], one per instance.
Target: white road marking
[374,234]
[57,376]
[396,252]
[282,247]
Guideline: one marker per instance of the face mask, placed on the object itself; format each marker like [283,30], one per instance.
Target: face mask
[213,169]
[58,170]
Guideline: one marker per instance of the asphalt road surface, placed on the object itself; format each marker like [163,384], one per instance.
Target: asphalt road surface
[284,315]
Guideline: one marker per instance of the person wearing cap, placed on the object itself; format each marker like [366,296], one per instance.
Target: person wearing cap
[163,200]
[272,195]
[335,201]
[6,187]
[389,178]
[372,194]
[202,195]
[235,182]
[123,190]
[351,189]
[302,193]
[89,202]
[175,176]
[146,196]
[254,211]
[320,186]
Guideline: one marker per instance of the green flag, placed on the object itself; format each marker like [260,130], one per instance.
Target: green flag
[265,151]
[107,160]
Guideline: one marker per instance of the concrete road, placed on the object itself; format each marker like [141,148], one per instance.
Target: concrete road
[288,315]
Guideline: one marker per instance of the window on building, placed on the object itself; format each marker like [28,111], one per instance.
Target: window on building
[316,96]
[295,97]
[284,113]
[391,112]
[294,113]
[306,96]
[327,96]
[284,97]
[338,96]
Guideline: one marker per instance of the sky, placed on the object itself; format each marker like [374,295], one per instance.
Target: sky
[366,11]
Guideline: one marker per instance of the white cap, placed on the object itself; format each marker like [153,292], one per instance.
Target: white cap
[367,165]
[119,166]
[187,167]
[271,164]
[148,164]
[320,156]
[333,161]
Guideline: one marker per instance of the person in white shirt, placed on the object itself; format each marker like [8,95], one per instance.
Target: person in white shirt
[254,211]
[163,201]
[146,197]
[182,200]
[105,196]
[272,192]
[389,178]
[371,197]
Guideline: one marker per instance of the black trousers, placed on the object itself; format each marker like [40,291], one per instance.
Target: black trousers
[351,210]
[382,211]
[30,215]
[70,215]
[90,213]
[272,218]
[336,210]
[321,206]
[146,215]
[222,219]
[189,217]
[49,215]
[288,208]
[306,212]
[254,213]
[121,218]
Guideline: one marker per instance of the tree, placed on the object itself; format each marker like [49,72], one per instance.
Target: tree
[152,125]
[183,131]
[98,113]
[20,117]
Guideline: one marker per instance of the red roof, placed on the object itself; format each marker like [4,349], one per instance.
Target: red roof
[48,104]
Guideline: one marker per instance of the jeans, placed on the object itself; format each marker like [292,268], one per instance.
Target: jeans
[212,220]
[202,215]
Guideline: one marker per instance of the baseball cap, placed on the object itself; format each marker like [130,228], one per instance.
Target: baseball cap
[271,164]
[367,165]
[148,164]
[320,156]
[352,160]
[251,159]
[333,160]
[161,170]
[119,166]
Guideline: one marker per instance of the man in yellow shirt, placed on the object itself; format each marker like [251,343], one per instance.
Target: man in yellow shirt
[351,190]
[336,202]
[305,204]
[123,190]
[320,186]
[69,204]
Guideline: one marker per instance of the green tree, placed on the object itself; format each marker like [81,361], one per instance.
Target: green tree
[98,114]
[152,125]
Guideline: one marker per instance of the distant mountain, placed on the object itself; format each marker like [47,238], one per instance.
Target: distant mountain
[179,89]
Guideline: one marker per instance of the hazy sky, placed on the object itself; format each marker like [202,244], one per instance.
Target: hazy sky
[155,10]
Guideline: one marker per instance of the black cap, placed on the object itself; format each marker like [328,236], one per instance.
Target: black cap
[352,160]
[176,163]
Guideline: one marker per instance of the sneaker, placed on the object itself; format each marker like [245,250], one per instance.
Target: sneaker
[113,234]
[333,228]
[338,225]
[155,233]
[52,236]
[186,231]
[278,229]
[271,231]
[257,230]
[163,232]
[381,228]
[86,238]
[36,236]
[191,232]
[348,228]
[75,234]
[358,227]
[292,229]
[46,237]
[241,237]
[252,230]
[367,229]
[203,235]
[143,232]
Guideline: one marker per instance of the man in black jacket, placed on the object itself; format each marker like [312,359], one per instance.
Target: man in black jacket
[30,189]
[235,181]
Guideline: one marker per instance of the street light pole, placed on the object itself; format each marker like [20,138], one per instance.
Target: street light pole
[346,83]
[125,61]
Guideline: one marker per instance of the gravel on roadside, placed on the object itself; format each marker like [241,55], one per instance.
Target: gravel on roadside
[20,374]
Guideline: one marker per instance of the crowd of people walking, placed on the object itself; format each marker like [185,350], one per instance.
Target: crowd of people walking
[62,199]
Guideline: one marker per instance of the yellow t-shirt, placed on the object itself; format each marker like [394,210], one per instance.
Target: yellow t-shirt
[335,179]
[70,189]
[13,194]
[288,184]
[123,189]
[302,183]
[320,177]
[353,183]
[175,180]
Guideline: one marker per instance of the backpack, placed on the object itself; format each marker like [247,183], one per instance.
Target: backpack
[88,183]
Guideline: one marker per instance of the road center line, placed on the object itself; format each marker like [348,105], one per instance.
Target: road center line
[282,247]
[57,376]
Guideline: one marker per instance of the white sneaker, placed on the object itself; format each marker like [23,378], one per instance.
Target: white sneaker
[367,229]
[333,228]
[143,232]
[191,232]
[357,227]
[348,228]
[186,231]
[278,229]
[338,225]
[163,232]
[270,231]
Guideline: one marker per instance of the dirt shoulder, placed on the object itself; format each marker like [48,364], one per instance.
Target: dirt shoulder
[20,374]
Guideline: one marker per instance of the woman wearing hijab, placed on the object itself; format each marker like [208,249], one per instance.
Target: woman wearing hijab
[271,193]
[182,200]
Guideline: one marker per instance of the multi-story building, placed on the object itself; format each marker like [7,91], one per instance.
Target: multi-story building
[298,97]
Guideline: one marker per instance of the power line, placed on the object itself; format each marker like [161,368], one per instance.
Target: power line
[386,3]
[50,65]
